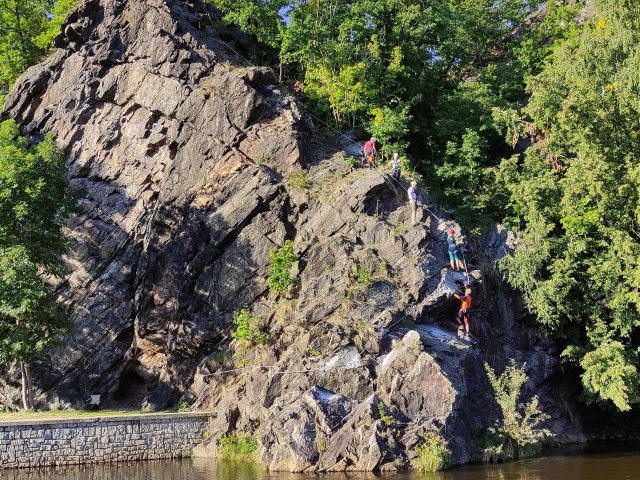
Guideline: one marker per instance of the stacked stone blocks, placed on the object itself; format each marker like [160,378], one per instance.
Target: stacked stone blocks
[39,443]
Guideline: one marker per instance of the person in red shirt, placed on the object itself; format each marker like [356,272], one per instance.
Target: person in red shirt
[465,310]
[370,152]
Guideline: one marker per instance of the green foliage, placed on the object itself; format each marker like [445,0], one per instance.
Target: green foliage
[388,124]
[363,276]
[388,420]
[351,162]
[20,22]
[27,29]
[57,12]
[35,200]
[312,352]
[255,17]
[184,407]
[399,229]
[516,434]
[300,181]
[248,329]
[282,260]
[576,196]
[610,374]
[239,447]
[432,454]
[31,322]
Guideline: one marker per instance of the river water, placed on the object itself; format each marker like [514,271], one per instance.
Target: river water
[619,466]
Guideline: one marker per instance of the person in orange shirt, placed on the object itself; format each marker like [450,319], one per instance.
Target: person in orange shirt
[465,308]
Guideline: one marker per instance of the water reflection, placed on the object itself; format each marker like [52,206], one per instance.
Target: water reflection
[596,467]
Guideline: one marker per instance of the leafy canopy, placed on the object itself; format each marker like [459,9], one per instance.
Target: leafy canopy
[577,196]
[27,30]
[35,199]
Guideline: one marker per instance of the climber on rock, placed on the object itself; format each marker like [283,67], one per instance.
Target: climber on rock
[413,200]
[395,166]
[370,152]
[454,251]
[465,310]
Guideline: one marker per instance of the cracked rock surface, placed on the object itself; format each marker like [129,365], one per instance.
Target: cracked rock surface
[192,166]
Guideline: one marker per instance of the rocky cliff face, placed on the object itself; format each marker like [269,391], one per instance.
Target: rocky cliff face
[192,166]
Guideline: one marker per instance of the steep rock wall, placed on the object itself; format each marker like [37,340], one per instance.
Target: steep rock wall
[164,132]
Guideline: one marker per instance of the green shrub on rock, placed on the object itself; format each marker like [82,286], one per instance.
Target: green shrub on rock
[300,181]
[248,329]
[239,447]
[282,259]
[433,454]
[517,434]
[387,419]
[363,276]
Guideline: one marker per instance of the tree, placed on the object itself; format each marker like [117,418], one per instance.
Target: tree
[20,22]
[27,30]
[35,200]
[577,194]
[30,320]
[388,125]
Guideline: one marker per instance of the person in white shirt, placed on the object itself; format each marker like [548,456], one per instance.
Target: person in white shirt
[395,165]
[413,201]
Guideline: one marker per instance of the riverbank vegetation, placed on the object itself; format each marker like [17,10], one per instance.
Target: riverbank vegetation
[239,447]
[517,433]
[432,454]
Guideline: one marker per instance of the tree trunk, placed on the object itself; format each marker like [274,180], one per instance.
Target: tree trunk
[27,387]
[25,399]
[27,369]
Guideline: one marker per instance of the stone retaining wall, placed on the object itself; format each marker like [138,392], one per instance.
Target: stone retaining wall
[37,443]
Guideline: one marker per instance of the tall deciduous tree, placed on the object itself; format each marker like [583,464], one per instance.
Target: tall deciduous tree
[35,200]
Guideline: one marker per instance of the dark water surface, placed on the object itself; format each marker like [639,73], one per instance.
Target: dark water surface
[619,466]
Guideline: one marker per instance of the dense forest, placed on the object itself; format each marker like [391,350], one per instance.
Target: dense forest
[514,111]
